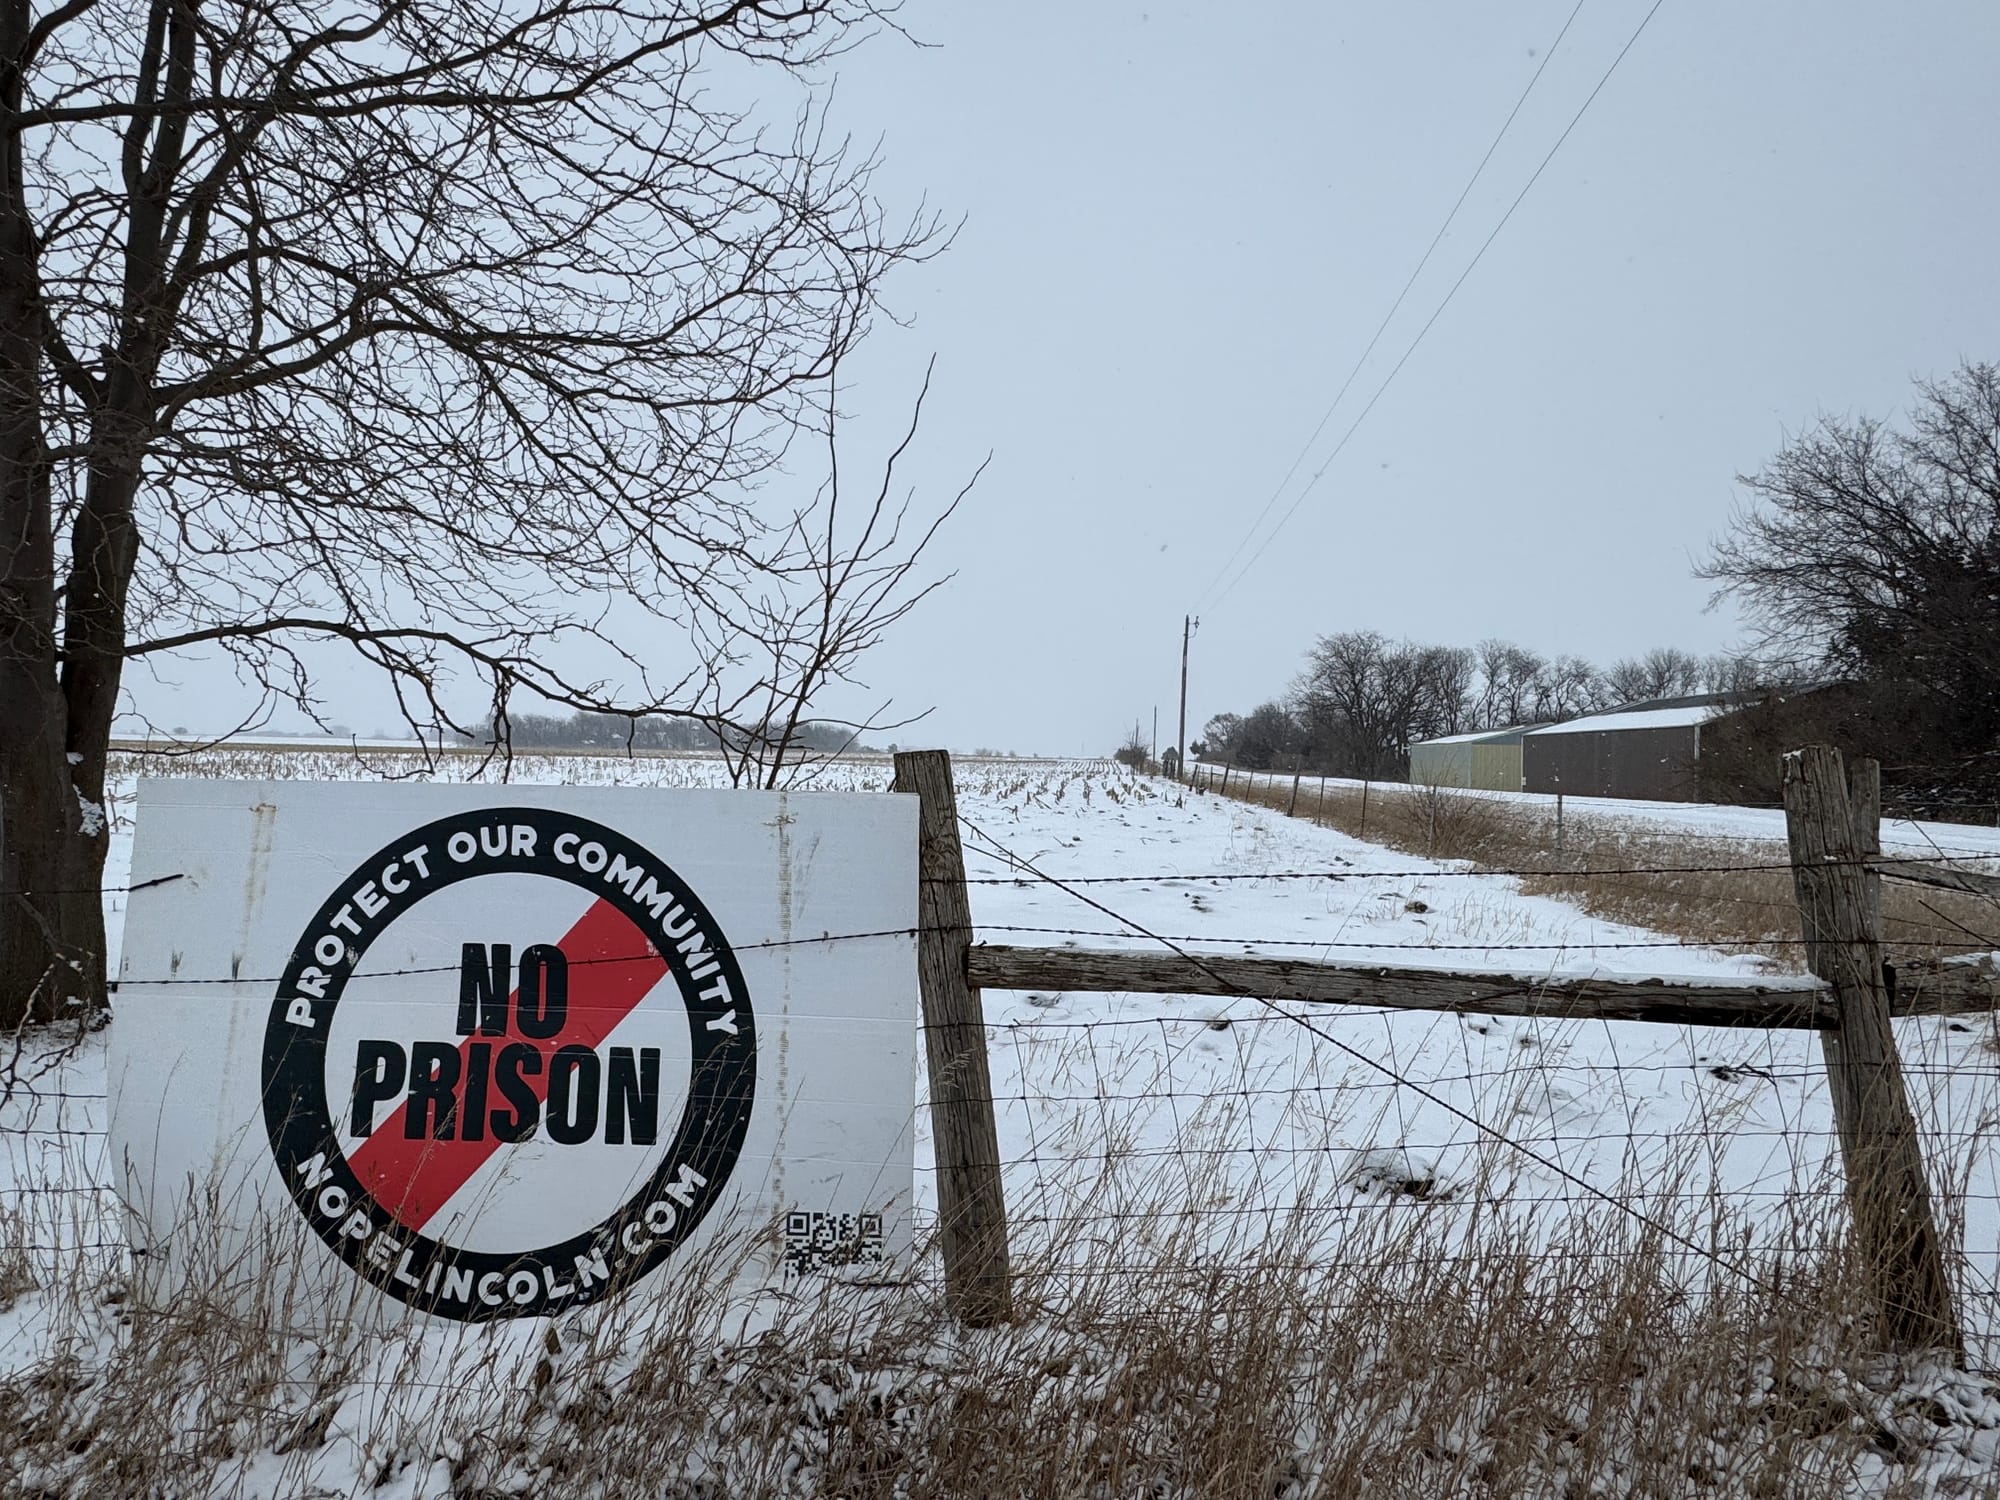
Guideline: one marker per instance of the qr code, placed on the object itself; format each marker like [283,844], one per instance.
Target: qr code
[827,1242]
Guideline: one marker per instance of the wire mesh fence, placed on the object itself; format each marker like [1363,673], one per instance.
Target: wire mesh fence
[1125,1118]
[1128,1117]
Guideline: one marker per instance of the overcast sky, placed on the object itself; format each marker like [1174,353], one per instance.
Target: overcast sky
[1184,223]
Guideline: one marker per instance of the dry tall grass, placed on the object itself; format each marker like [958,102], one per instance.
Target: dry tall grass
[1183,1334]
[1345,1346]
[1602,866]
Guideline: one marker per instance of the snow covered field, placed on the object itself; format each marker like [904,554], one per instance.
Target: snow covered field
[1241,1109]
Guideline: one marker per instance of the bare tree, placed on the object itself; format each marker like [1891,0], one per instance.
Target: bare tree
[856,568]
[1742,672]
[1873,554]
[1445,706]
[1510,682]
[1663,672]
[1272,734]
[1223,735]
[1257,740]
[456,337]
[1136,751]
[1569,686]
[1349,699]
[1364,699]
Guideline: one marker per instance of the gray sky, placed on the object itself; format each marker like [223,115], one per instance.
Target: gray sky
[1184,223]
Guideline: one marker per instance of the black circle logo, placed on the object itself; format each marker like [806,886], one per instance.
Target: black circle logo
[529,1061]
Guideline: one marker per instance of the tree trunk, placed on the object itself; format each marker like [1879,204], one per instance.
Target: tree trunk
[104,539]
[39,817]
[104,550]
[38,884]
[38,814]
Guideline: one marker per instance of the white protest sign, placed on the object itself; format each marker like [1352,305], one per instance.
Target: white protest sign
[508,1051]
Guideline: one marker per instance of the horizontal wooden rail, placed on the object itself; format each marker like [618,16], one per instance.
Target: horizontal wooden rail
[1951,988]
[1943,877]
[1778,1004]
[1800,1003]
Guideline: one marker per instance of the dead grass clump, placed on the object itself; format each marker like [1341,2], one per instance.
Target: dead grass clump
[1436,822]
[1337,1346]
[1596,1360]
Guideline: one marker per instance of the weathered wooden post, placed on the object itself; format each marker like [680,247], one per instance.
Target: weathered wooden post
[972,1209]
[1834,826]
[1298,769]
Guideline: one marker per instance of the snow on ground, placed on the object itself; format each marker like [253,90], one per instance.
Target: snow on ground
[1706,820]
[1610,1107]
[1243,1107]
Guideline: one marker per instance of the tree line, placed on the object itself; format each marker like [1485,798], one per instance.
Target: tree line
[658,732]
[1866,560]
[1363,699]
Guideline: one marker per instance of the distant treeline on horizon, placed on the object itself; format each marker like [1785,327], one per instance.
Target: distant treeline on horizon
[601,731]
[1364,699]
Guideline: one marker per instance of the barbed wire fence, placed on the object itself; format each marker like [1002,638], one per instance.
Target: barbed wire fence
[1137,1113]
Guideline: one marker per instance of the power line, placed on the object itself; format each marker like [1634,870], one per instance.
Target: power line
[1389,380]
[1394,307]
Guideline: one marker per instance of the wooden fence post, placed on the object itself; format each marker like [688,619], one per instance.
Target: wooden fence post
[1298,769]
[972,1209]
[1834,825]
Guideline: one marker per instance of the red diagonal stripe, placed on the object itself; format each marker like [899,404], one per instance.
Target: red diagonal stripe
[414,1179]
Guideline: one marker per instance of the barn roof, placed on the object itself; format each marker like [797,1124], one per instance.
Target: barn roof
[1482,736]
[1676,717]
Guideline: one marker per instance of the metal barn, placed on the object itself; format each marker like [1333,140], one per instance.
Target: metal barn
[1645,751]
[1487,761]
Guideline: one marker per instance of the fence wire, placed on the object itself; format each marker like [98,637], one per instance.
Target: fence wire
[1127,1120]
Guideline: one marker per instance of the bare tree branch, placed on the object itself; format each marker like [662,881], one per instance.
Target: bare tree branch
[474,342]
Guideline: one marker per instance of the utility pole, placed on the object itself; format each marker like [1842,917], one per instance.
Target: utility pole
[1188,624]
